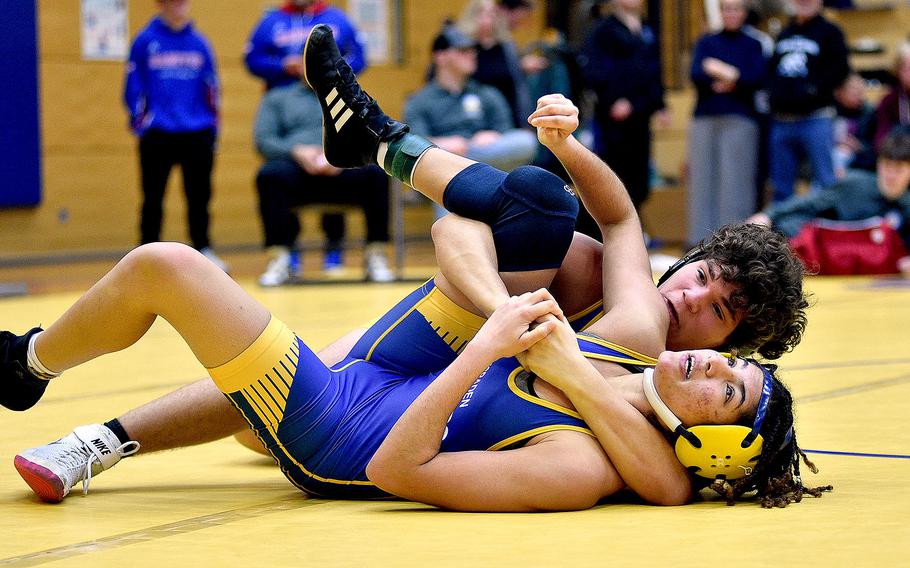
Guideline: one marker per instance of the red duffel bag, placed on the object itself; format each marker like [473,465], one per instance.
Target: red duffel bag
[870,246]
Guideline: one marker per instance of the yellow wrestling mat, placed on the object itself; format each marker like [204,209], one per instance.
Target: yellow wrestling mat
[221,505]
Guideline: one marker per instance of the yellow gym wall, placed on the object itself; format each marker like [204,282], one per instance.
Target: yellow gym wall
[91,190]
[91,187]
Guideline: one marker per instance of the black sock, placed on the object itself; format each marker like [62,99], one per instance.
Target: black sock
[20,388]
[117,428]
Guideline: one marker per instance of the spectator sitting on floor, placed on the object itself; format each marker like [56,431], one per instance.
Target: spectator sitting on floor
[462,116]
[288,135]
[860,195]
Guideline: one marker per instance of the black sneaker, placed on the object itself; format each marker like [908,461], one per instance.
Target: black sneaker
[19,388]
[353,125]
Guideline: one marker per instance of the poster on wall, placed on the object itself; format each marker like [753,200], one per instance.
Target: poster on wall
[104,30]
[371,18]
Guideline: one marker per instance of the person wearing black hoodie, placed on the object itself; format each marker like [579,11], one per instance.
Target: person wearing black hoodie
[809,63]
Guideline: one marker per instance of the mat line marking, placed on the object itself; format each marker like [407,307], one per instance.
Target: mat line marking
[859,454]
[158,532]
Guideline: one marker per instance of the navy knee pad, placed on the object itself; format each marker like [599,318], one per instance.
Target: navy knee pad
[531,213]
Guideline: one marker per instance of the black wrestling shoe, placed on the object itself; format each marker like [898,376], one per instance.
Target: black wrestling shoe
[353,125]
[19,388]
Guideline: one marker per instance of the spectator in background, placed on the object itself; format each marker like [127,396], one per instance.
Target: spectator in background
[894,108]
[727,69]
[463,116]
[274,54]
[854,127]
[274,50]
[516,13]
[171,94]
[621,62]
[498,63]
[858,196]
[288,134]
[809,63]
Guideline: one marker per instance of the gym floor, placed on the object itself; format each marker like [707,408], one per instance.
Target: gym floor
[222,505]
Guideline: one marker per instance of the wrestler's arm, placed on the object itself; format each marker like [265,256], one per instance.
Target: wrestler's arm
[536,477]
[637,449]
[628,287]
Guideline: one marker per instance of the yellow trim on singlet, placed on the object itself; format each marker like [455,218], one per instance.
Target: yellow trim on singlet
[638,357]
[543,429]
[312,475]
[447,317]
[257,360]
[250,375]
[586,311]
[345,366]
[537,400]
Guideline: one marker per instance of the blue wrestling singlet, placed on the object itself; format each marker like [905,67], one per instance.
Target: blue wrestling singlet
[323,425]
[426,330]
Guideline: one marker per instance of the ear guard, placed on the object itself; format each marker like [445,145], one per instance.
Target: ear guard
[695,254]
[711,451]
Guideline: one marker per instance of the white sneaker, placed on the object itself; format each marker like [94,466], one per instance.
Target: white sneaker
[53,469]
[278,270]
[377,267]
[208,253]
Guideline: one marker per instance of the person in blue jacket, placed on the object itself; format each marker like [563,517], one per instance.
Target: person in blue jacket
[274,53]
[171,94]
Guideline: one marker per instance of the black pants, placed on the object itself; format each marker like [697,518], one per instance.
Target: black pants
[625,147]
[283,185]
[158,153]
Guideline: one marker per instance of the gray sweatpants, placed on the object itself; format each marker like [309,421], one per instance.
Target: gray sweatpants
[723,158]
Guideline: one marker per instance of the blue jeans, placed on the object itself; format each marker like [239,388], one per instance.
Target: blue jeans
[790,142]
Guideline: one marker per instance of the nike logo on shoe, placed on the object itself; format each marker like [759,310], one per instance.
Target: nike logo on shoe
[102,447]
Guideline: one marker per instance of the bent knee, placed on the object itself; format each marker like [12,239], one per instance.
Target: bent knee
[542,190]
[163,259]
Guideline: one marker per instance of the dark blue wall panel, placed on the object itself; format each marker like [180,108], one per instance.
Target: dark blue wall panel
[20,142]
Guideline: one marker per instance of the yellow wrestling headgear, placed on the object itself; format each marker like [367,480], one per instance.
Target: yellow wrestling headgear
[711,451]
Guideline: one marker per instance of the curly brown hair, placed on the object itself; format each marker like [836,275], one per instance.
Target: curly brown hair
[776,478]
[768,276]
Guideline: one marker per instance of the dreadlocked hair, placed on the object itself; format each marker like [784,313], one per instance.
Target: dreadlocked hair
[768,276]
[776,478]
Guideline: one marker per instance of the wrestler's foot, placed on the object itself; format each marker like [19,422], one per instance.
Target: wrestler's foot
[353,125]
[20,389]
[53,469]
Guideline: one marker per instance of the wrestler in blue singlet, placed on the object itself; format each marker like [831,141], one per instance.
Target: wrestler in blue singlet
[426,330]
[531,214]
[323,425]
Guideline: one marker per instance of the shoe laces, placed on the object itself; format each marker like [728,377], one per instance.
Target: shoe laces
[81,457]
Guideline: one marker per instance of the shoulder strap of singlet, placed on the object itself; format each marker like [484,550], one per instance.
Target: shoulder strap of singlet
[594,347]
